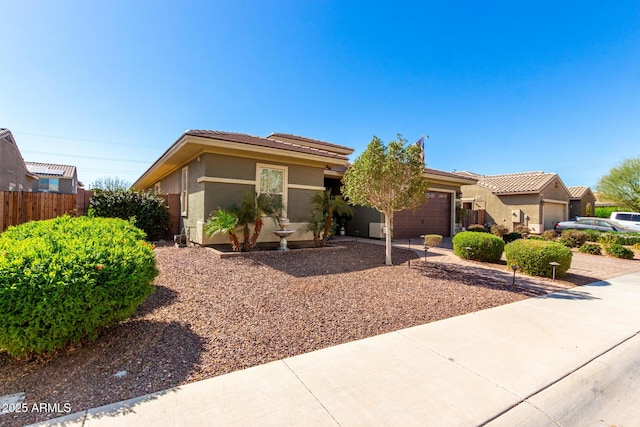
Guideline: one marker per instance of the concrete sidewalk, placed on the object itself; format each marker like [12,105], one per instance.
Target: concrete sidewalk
[568,358]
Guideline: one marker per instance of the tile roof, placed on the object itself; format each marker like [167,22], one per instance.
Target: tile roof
[578,192]
[517,183]
[50,169]
[277,135]
[243,138]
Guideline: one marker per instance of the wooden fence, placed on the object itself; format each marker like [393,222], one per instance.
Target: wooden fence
[18,207]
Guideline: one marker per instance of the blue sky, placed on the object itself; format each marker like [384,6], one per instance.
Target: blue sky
[499,87]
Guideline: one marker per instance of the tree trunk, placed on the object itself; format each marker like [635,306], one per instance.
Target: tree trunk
[388,217]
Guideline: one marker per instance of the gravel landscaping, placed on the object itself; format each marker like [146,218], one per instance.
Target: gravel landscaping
[210,316]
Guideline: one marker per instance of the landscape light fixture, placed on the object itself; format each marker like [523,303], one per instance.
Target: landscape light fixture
[553,265]
[514,267]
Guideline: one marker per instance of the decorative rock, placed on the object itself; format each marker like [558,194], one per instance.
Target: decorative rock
[120,374]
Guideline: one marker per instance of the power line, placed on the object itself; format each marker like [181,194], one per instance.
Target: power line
[147,162]
[72,138]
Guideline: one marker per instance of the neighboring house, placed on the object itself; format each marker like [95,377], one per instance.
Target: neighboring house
[212,169]
[436,216]
[14,175]
[535,199]
[52,178]
[583,201]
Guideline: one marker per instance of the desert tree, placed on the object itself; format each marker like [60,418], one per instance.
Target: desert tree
[622,185]
[388,179]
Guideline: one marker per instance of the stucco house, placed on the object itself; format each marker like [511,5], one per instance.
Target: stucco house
[213,169]
[54,178]
[436,216]
[583,201]
[14,175]
[535,199]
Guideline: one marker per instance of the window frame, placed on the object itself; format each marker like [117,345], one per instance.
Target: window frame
[285,182]
[184,192]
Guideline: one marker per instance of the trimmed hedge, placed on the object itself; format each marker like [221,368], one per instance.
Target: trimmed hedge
[533,257]
[590,248]
[147,210]
[432,240]
[573,238]
[477,228]
[625,239]
[64,279]
[618,251]
[484,246]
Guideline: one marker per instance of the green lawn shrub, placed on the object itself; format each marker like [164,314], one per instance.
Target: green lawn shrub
[549,235]
[624,239]
[510,237]
[592,235]
[618,251]
[533,257]
[590,248]
[483,246]
[64,279]
[536,237]
[432,240]
[148,210]
[477,228]
[573,238]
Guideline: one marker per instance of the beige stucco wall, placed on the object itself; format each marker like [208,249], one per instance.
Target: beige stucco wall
[206,196]
[527,208]
[13,175]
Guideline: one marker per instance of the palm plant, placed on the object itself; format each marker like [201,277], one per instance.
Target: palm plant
[225,222]
[249,212]
[324,207]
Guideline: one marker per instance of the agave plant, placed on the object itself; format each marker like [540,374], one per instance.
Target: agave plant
[324,206]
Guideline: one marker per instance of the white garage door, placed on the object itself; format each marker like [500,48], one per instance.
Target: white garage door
[553,212]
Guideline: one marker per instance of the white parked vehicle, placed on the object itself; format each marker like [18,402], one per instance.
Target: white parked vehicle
[629,220]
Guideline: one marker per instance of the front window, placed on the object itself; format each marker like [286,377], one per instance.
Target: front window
[272,181]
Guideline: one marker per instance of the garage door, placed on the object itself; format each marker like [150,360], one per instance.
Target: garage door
[433,217]
[553,212]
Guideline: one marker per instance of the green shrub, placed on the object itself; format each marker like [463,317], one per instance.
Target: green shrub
[573,238]
[625,239]
[592,235]
[549,235]
[62,280]
[618,251]
[533,257]
[432,240]
[483,246]
[510,237]
[637,246]
[590,248]
[536,237]
[477,228]
[148,210]
[499,230]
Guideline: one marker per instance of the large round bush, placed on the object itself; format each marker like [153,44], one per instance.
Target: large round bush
[62,280]
[482,246]
[147,210]
[533,257]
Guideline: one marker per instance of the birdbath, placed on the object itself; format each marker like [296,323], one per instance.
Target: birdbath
[283,233]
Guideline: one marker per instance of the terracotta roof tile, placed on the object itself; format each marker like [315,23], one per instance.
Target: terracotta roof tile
[277,135]
[514,183]
[243,138]
[578,192]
